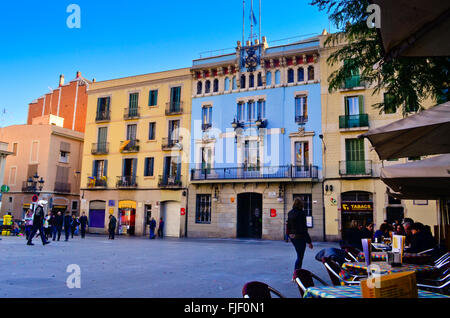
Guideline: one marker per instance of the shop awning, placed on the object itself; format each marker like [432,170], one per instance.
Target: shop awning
[427,179]
[425,133]
[415,27]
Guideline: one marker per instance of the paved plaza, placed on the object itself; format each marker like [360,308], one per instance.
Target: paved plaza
[135,267]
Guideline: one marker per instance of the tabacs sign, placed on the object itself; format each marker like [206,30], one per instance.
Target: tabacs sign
[357,206]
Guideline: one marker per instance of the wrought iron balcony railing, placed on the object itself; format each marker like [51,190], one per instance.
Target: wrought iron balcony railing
[131,113]
[352,82]
[129,146]
[169,143]
[126,182]
[100,148]
[97,182]
[255,172]
[206,126]
[103,116]
[169,181]
[301,119]
[174,108]
[353,121]
[355,168]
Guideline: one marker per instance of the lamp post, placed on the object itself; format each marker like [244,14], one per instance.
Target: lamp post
[35,184]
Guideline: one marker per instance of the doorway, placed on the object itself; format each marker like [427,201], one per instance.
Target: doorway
[249,215]
[394,213]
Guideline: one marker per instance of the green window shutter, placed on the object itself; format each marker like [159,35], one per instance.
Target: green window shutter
[105,168]
[99,102]
[347,106]
[361,104]
[134,99]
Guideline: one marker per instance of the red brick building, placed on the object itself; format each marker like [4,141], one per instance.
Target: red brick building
[68,101]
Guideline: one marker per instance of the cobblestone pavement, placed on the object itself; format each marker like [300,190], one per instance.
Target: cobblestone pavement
[134,267]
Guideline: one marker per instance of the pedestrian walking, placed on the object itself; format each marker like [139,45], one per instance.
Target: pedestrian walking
[67,225]
[298,231]
[28,222]
[46,226]
[74,224]
[83,223]
[152,228]
[38,223]
[57,229]
[161,228]
[112,226]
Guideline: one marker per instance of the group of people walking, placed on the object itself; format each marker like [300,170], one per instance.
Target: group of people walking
[50,226]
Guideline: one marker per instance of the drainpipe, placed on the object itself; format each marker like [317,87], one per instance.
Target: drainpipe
[186,216]
[323,187]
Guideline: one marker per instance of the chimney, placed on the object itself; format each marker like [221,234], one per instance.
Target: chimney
[61,80]
[78,74]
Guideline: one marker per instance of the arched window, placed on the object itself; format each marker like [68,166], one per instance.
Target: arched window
[260,82]
[300,74]
[310,73]
[216,86]
[269,78]
[243,81]
[234,84]
[251,81]
[207,86]
[277,77]
[199,87]
[226,84]
[290,75]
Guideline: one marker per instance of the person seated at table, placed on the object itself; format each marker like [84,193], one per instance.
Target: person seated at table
[383,232]
[421,239]
[407,223]
[354,235]
[399,230]
[367,232]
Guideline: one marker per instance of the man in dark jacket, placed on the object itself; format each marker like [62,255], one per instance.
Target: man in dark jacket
[67,225]
[421,240]
[83,223]
[298,231]
[38,224]
[112,226]
[59,220]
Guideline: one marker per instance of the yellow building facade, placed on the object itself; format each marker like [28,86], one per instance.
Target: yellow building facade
[353,189]
[135,162]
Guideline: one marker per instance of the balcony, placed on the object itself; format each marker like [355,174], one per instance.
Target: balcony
[62,187]
[355,168]
[171,143]
[353,82]
[353,121]
[287,172]
[94,182]
[174,108]
[206,126]
[126,182]
[129,146]
[131,113]
[301,119]
[169,182]
[29,189]
[103,116]
[100,148]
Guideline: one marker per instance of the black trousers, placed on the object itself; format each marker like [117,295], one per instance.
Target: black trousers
[82,231]
[300,247]
[56,229]
[161,232]
[67,232]
[111,233]
[33,233]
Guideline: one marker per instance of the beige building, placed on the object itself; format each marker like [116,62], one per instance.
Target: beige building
[135,162]
[54,154]
[353,189]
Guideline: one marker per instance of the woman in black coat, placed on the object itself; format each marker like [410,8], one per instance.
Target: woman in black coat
[298,231]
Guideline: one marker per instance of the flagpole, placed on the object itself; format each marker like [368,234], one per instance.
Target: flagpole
[260,21]
[243,23]
[251,25]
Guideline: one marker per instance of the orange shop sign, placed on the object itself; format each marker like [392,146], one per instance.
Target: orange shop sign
[357,206]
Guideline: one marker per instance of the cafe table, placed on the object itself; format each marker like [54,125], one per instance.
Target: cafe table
[409,258]
[360,268]
[354,291]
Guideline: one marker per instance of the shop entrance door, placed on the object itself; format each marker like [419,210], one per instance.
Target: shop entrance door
[394,213]
[249,215]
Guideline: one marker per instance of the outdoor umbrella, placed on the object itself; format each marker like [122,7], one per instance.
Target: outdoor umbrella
[425,133]
[415,27]
[423,179]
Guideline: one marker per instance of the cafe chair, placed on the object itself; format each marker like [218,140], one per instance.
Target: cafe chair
[304,279]
[444,259]
[333,270]
[259,290]
[352,252]
[441,286]
[426,251]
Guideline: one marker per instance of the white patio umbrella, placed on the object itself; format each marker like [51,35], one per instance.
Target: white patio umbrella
[425,133]
[415,27]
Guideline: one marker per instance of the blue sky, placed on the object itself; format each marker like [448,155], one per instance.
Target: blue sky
[123,38]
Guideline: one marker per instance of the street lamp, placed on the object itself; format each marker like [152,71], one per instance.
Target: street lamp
[34,183]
